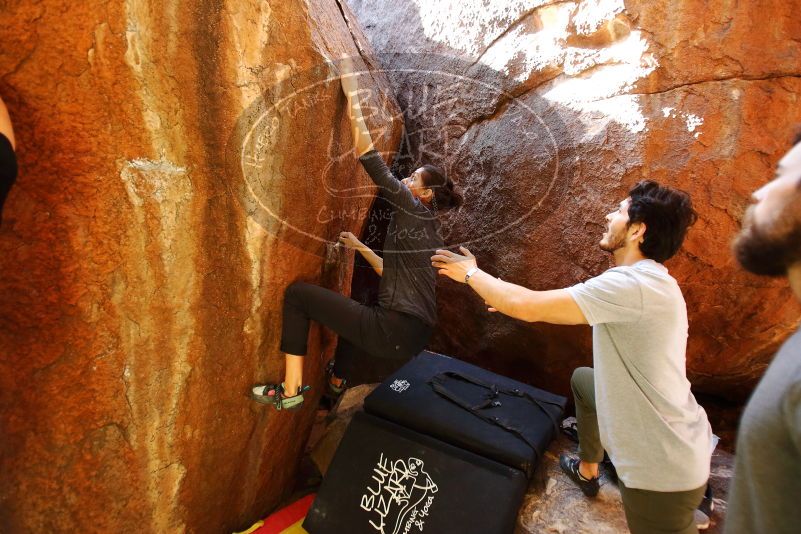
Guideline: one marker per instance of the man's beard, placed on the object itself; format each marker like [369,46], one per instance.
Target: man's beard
[770,251]
[613,242]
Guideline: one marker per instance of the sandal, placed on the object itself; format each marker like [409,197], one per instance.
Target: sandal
[274,394]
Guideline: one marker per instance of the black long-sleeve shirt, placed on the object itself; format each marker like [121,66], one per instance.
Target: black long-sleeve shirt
[8,169]
[408,283]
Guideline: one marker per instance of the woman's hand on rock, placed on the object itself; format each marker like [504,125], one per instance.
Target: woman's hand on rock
[350,240]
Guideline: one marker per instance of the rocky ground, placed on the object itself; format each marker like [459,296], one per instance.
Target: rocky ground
[552,503]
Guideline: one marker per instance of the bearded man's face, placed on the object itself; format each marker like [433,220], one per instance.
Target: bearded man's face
[770,240]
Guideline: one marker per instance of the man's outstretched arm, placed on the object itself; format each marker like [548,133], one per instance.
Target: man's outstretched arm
[555,306]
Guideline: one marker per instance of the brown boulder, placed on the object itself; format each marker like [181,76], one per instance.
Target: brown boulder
[547,113]
[180,165]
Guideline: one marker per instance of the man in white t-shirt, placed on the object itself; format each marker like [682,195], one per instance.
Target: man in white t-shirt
[636,402]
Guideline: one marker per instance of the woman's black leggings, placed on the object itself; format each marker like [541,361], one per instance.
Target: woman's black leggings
[380,332]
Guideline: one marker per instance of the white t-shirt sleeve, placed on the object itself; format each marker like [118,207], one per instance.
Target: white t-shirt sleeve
[613,297]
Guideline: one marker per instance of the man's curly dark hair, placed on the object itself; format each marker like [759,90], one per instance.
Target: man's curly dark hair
[667,214]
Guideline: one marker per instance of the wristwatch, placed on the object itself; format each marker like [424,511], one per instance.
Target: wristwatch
[470,272]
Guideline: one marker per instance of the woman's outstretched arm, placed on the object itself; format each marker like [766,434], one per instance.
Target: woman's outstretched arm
[397,193]
[361,135]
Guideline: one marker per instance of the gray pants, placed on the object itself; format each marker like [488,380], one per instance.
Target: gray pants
[647,512]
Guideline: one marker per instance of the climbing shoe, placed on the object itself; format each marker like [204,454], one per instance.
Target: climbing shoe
[275,395]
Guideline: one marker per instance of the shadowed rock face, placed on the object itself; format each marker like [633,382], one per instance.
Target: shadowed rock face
[546,113]
[181,163]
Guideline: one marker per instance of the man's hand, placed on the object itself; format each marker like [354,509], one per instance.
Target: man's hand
[350,240]
[453,265]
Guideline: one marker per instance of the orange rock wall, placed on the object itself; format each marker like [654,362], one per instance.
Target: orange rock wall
[181,163]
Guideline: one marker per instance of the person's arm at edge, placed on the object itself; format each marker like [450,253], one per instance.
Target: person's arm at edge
[554,306]
[5,125]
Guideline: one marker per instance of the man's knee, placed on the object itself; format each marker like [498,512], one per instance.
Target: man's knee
[582,375]
[583,383]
